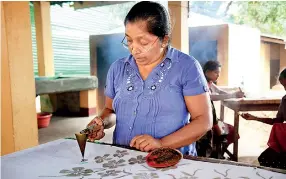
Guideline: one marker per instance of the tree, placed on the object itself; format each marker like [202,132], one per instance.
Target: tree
[268,16]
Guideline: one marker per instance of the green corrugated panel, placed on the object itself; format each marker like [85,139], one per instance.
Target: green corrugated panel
[34,41]
[70,37]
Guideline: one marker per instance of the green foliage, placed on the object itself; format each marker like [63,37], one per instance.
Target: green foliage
[268,16]
[60,3]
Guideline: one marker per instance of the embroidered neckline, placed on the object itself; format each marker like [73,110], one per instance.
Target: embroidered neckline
[133,80]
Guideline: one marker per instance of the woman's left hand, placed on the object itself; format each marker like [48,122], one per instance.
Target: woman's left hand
[248,116]
[145,143]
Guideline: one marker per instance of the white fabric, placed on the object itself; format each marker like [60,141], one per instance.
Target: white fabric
[48,160]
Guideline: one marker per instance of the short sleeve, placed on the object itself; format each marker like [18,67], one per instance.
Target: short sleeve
[109,90]
[194,82]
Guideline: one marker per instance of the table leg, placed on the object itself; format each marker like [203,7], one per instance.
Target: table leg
[236,128]
[221,112]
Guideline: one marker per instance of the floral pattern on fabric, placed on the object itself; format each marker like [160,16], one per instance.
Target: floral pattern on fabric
[66,164]
[133,84]
[77,171]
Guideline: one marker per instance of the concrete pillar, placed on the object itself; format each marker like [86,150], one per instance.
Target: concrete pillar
[99,92]
[282,57]
[179,18]
[222,53]
[44,38]
[5,49]
[265,63]
[88,102]
[18,117]
[44,45]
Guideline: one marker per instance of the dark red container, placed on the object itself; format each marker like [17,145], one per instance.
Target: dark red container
[163,157]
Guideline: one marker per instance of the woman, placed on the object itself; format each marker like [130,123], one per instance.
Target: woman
[205,145]
[154,89]
[275,155]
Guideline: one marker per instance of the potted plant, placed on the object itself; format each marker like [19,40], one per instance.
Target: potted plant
[44,119]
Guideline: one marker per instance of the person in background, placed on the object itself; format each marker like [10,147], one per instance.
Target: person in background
[212,70]
[206,146]
[275,155]
[154,91]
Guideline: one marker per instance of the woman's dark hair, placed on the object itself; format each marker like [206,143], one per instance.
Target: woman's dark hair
[211,66]
[282,75]
[156,15]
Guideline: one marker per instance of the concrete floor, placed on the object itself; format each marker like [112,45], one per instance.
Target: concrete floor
[63,127]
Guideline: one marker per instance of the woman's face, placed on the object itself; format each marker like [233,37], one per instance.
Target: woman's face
[213,75]
[144,47]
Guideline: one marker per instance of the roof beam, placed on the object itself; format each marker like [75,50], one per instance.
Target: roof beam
[89,4]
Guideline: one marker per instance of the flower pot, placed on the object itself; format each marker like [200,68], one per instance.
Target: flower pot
[44,119]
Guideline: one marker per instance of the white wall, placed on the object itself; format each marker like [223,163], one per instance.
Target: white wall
[244,59]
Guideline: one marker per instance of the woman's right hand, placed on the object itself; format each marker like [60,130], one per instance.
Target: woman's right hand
[239,94]
[97,132]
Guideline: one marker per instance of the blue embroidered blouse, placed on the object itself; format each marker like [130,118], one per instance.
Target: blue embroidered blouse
[155,106]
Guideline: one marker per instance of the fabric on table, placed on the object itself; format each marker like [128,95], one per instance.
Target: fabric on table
[61,159]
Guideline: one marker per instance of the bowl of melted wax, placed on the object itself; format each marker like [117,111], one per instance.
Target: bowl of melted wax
[163,157]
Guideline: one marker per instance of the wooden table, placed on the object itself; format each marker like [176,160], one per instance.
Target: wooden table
[247,104]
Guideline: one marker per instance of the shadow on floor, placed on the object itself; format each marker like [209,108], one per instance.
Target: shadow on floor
[253,160]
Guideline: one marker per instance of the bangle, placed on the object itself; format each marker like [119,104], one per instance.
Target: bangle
[100,119]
